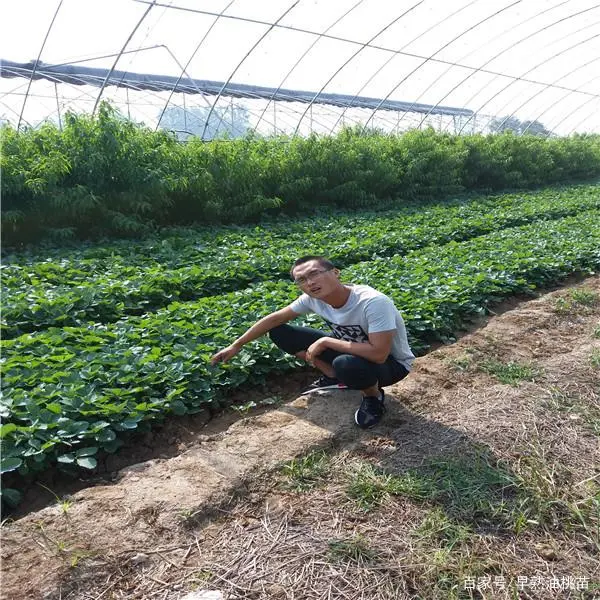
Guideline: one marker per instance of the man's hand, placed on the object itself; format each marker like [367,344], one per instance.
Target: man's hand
[225,354]
[317,348]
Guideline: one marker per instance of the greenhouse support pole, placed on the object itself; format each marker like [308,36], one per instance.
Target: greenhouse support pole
[57,106]
[185,127]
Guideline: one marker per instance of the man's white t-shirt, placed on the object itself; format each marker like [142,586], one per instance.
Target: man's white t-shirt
[366,311]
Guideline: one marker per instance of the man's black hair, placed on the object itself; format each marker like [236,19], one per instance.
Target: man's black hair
[323,261]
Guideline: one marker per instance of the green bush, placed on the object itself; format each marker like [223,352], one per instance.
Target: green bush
[105,176]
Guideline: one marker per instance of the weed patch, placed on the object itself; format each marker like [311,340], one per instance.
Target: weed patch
[306,472]
[355,549]
[510,373]
[579,299]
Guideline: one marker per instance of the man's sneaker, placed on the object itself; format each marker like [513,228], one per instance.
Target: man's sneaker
[370,412]
[324,383]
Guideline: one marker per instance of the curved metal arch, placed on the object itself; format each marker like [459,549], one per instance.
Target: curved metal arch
[141,48]
[573,112]
[433,55]
[363,46]
[336,38]
[262,37]
[473,96]
[582,120]
[315,42]
[36,63]
[387,62]
[536,94]
[521,77]
[187,64]
[562,99]
[545,61]
[487,62]
[150,7]
[546,86]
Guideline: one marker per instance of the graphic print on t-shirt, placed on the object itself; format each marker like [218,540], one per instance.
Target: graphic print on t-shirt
[350,333]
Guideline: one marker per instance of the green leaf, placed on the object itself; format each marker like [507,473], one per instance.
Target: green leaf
[7,428]
[105,435]
[90,451]
[87,462]
[10,463]
[66,458]
[178,407]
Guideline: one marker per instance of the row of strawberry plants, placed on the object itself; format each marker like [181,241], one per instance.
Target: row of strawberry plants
[180,247]
[69,392]
[105,293]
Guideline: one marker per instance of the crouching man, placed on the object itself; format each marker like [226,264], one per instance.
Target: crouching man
[368,349]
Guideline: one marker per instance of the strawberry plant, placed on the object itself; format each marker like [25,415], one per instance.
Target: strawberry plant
[105,284]
[71,392]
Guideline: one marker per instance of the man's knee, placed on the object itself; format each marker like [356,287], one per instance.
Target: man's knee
[280,334]
[354,371]
[285,337]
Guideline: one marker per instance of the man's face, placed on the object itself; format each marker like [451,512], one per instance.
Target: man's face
[316,280]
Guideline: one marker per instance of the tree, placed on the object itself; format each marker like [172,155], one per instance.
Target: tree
[228,121]
[534,128]
[500,124]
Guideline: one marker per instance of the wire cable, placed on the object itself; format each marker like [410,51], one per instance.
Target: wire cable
[37,61]
[262,37]
[348,61]
[150,7]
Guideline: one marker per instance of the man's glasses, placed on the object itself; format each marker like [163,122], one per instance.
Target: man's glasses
[301,281]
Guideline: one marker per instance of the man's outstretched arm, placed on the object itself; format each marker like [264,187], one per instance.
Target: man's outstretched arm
[257,330]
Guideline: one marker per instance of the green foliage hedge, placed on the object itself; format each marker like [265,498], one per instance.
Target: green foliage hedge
[106,176]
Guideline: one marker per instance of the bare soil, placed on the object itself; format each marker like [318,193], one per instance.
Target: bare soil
[206,506]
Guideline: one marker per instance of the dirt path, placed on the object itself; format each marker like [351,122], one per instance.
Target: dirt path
[169,526]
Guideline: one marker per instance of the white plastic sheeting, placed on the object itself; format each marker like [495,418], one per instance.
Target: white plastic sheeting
[515,60]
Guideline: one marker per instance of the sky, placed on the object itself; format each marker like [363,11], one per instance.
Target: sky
[533,59]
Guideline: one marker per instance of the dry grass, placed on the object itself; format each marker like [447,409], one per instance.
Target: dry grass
[361,533]
[471,484]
